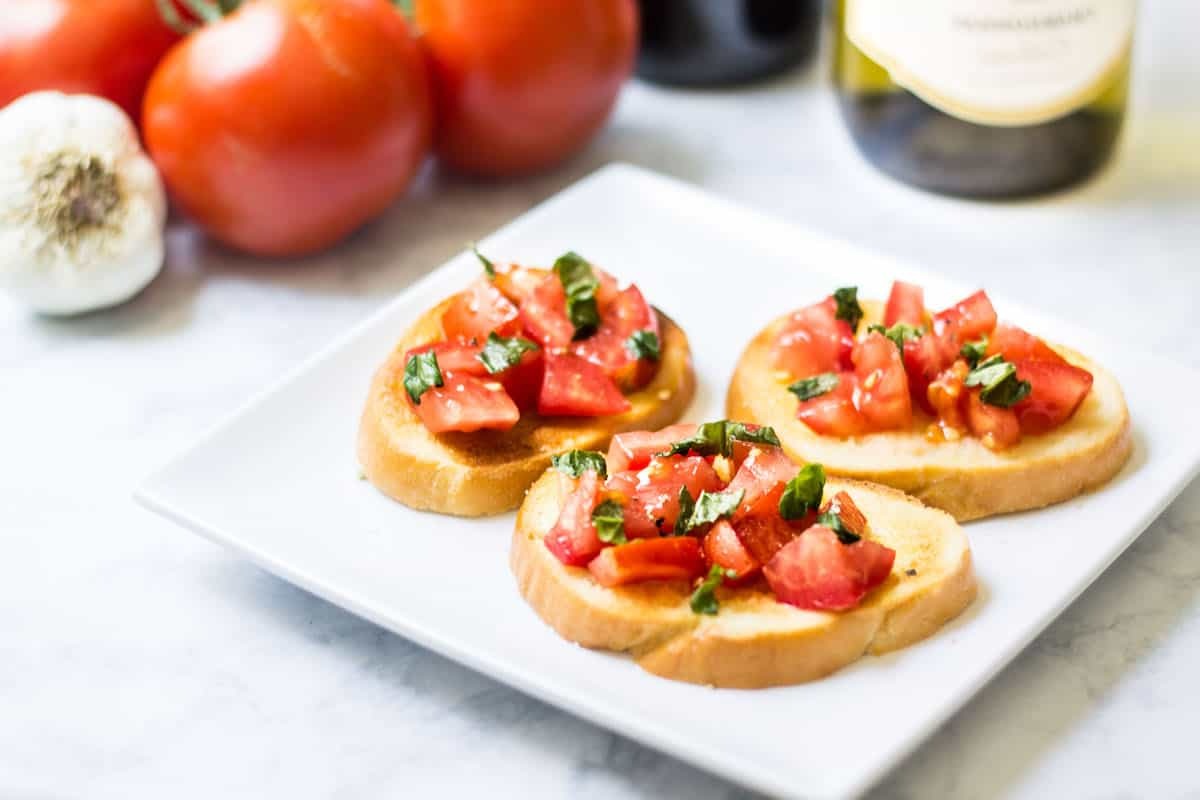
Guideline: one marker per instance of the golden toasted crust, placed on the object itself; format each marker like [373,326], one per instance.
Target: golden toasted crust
[962,477]
[754,641]
[487,472]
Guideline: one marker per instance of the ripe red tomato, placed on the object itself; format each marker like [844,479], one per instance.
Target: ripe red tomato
[1057,389]
[813,341]
[466,403]
[573,387]
[664,559]
[817,571]
[967,319]
[629,451]
[723,548]
[1016,344]
[906,303]
[627,313]
[997,427]
[573,539]
[522,84]
[834,413]
[652,496]
[478,311]
[288,124]
[101,47]
[883,385]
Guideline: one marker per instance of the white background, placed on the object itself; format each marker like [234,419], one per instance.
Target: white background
[139,660]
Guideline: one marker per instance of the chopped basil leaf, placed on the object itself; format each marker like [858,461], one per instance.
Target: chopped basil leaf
[835,524]
[488,266]
[998,377]
[808,388]
[577,462]
[499,353]
[847,306]
[704,599]
[421,374]
[717,438]
[687,507]
[580,284]
[899,333]
[803,493]
[973,352]
[609,519]
[643,344]
[709,507]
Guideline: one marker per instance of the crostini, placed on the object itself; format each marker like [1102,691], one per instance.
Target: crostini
[966,413]
[711,557]
[525,363]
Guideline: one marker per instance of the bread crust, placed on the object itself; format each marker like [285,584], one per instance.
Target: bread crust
[487,472]
[962,477]
[754,641]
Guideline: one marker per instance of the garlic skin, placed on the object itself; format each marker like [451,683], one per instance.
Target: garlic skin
[82,208]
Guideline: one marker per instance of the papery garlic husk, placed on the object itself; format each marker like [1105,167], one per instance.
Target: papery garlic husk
[82,208]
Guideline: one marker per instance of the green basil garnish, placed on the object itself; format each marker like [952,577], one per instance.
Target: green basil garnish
[803,493]
[808,388]
[899,333]
[704,599]
[974,351]
[847,306]
[998,377]
[708,508]
[577,462]
[421,373]
[717,438]
[643,344]
[580,283]
[488,266]
[499,353]
[609,519]
[834,523]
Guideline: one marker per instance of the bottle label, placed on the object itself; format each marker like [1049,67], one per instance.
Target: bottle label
[997,62]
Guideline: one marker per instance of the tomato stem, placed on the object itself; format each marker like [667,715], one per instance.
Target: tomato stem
[206,11]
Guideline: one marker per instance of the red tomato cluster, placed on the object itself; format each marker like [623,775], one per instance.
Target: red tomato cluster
[557,375]
[287,124]
[805,564]
[877,380]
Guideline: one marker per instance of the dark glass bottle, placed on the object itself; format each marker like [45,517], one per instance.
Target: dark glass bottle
[715,42]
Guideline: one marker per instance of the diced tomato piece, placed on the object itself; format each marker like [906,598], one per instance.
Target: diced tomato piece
[906,303]
[968,319]
[1016,345]
[466,403]
[573,539]
[1057,391]
[924,359]
[997,427]
[544,314]
[652,494]
[852,517]
[723,548]
[944,396]
[462,359]
[573,387]
[813,341]
[764,469]
[627,312]
[662,559]
[477,311]
[762,531]
[635,449]
[883,397]
[834,413]
[523,382]
[816,571]
[518,283]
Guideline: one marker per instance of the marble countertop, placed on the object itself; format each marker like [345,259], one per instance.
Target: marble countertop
[141,661]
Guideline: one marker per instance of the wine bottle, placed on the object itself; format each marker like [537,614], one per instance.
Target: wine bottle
[984,98]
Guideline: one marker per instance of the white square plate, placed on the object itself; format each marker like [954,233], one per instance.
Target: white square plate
[278,482]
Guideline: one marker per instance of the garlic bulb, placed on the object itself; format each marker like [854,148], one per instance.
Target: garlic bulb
[82,208]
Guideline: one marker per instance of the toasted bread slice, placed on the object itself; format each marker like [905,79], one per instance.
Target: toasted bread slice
[962,477]
[754,641]
[487,472]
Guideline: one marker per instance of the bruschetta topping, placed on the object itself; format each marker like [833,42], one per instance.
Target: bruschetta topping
[973,374]
[562,342]
[719,504]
